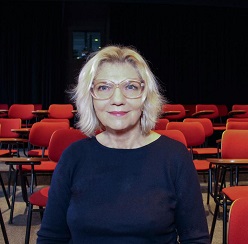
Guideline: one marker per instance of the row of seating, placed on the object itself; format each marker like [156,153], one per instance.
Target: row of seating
[218,113]
[30,113]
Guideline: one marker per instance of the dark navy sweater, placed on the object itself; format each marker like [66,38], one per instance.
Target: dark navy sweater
[104,195]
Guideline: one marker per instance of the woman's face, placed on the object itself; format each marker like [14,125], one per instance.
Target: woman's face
[118,113]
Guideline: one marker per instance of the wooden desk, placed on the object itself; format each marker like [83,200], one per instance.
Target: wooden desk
[234,112]
[3,111]
[21,131]
[39,114]
[202,112]
[167,113]
[13,161]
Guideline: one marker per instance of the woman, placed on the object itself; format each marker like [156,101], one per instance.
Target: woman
[126,184]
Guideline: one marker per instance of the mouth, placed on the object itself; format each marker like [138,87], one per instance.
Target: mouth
[118,113]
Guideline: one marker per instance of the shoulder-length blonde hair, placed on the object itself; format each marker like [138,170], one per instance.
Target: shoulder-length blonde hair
[88,122]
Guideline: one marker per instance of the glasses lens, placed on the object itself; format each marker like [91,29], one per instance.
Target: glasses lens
[131,88]
[103,90]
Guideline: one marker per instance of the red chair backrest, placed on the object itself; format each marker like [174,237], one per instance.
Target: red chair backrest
[238,222]
[22,111]
[240,107]
[206,122]
[173,134]
[201,107]
[60,140]
[161,124]
[194,132]
[234,144]
[174,107]
[6,125]
[236,125]
[41,132]
[60,111]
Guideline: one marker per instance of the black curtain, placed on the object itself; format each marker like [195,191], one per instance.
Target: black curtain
[199,53]
[32,53]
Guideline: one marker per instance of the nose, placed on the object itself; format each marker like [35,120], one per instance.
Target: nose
[117,97]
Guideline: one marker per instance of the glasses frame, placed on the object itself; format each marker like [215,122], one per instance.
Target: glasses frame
[142,84]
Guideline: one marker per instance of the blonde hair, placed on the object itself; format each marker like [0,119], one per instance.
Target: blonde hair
[88,122]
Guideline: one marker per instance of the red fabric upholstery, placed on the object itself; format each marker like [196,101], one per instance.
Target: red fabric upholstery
[240,107]
[235,192]
[40,197]
[174,107]
[236,125]
[238,222]
[201,107]
[161,124]
[60,111]
[174,134]
[231,146]
[65,137]
[22,111]
[7,124]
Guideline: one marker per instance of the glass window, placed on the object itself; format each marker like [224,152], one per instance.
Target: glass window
[84,43]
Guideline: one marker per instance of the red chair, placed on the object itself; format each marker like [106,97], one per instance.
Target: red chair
[4,110]
[238,222]
[177,108]
[161,124]
[195,136]
[60,140]
[244,107]
[236,125]
[60,111]
[234,155]
[22,111]
[206,111]
[189,109]
[39,137]
[205,150]
[174,134]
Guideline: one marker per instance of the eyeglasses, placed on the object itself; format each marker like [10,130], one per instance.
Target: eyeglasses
[130,88]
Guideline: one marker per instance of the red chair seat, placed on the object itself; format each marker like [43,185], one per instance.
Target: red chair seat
[44,166]
[235,192]
[40,197]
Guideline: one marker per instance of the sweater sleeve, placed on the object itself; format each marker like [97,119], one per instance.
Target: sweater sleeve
[54,228]
[190,215]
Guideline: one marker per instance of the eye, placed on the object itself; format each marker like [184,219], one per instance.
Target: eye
[133,85]
[103,87]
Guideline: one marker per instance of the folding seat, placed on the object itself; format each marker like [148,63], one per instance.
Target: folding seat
[60,140]
[237,125]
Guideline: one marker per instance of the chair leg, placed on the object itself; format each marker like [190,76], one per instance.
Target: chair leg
[29,220]
[224,220]
[4,191]
[13,198]
[216,211]
[6,240]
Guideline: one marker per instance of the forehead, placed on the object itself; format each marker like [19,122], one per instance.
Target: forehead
[116,71]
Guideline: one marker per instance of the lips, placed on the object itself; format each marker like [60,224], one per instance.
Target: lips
[118,113]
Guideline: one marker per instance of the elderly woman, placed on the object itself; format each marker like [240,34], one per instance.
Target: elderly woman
[126,184]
